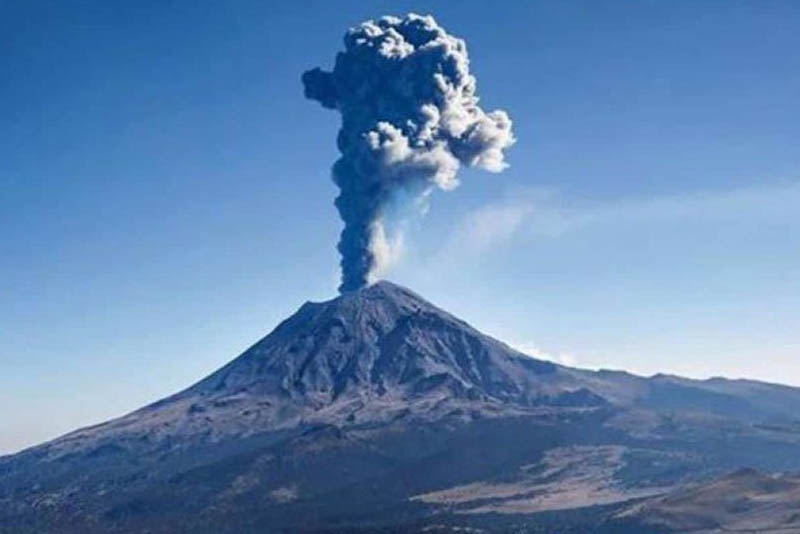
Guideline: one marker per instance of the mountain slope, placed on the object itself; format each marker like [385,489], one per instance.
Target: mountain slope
[382,342]
[744,501]
[377,409]
[364,357]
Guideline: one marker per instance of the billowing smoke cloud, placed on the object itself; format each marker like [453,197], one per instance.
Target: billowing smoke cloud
[410,118]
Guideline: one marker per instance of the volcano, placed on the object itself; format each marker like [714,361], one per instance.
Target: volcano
[378,412]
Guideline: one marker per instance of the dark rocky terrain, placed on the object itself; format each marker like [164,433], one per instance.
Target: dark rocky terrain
[378,412]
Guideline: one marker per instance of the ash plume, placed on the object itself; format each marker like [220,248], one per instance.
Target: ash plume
[410,119]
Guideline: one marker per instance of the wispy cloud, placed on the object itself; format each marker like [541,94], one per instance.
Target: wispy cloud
[492,224]
[545,214]
[677,283]
[534,351]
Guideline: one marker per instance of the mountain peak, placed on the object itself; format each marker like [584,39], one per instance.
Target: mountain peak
[380,342]
[382,288]
[373,356]
[383,294]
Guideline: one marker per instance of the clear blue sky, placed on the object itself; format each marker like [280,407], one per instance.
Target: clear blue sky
[165,196]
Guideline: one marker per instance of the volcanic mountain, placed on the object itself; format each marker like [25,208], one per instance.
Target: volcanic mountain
[378,412]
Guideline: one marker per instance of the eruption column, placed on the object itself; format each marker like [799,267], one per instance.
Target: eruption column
[410,119]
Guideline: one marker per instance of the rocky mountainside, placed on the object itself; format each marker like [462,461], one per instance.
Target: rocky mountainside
[744,501]
[378,411]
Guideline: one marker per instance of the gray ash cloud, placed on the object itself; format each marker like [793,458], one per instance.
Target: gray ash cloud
[410,119]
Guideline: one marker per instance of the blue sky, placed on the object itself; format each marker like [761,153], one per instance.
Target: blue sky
[166,196]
